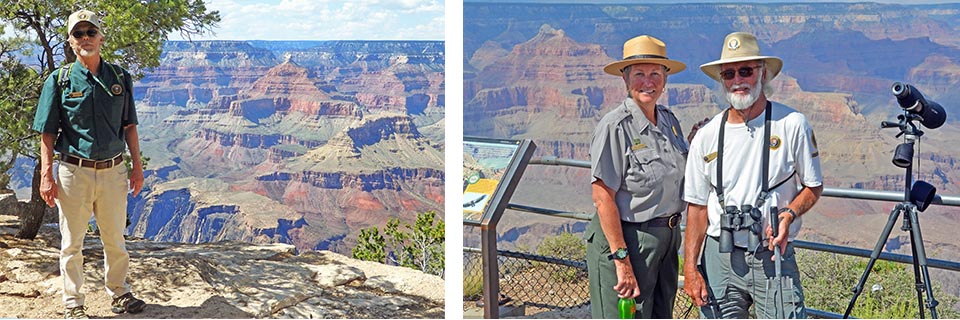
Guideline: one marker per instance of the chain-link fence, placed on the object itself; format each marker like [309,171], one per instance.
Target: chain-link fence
[537,281]
[543,283]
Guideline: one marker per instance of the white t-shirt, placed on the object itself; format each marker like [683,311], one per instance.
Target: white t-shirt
[793,149]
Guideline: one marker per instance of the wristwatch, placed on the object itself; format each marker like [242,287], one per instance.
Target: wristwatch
[792,213]
[620,254]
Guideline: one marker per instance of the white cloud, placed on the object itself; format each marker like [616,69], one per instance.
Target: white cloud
[327,20]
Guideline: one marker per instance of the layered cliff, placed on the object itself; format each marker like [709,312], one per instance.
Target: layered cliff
[300,142]
[546,80]
[534,71]
[694,31]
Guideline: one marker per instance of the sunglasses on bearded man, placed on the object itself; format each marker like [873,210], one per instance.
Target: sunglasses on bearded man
[80,33]
[745,72]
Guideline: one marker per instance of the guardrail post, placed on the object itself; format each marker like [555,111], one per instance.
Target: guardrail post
[491,272]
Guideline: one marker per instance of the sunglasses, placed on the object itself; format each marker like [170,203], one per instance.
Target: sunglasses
[745,72]
[80,33]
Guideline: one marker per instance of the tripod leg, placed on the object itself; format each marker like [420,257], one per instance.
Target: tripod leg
[920,263]
[873,257]
[918,281]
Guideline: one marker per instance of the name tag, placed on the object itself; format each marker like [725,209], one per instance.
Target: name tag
[637,147]
[709,157]
[75,94]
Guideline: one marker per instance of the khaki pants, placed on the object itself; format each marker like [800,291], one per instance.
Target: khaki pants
[653,255]
[82,192]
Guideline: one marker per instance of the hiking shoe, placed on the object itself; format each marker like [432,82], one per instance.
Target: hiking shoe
[127,303]
[75,313]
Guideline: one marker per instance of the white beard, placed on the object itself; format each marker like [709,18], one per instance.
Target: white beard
[81,52]
[740,101]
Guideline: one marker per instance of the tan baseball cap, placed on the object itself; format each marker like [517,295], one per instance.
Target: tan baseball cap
[80,16]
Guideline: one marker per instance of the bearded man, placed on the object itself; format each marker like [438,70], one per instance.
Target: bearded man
[754,157]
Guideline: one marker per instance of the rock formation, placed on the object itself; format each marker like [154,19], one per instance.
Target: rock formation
[223,279]
[300,142]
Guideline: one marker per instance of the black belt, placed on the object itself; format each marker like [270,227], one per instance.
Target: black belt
[671,221]
[87,163]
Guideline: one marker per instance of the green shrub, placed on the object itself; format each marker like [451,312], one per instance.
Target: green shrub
[564,246]
[889,291]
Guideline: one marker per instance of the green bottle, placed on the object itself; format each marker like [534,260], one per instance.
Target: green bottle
[628,307]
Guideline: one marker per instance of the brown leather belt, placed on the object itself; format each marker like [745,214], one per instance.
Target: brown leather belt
[671,221]
[87,163]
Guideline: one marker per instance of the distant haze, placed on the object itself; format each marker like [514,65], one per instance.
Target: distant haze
[326,20]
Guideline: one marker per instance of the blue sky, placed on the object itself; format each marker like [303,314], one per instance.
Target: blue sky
[326,20]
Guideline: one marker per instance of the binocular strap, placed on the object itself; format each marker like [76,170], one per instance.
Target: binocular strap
[766,158]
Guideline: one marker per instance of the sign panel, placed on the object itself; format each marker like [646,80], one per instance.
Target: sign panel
[491,169]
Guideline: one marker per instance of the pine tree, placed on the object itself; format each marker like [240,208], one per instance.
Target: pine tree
[419,246]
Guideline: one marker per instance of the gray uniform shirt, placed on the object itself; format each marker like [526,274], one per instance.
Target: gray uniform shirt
[643,163]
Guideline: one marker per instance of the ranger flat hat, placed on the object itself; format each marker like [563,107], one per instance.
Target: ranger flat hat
[81,16]
[644,49]
[737,47]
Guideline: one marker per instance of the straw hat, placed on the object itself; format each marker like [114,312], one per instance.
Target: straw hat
[644,49]
[741,46]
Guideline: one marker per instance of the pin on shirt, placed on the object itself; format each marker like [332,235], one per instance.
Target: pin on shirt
[637,145]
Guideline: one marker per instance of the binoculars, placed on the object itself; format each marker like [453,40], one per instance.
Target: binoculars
[734,219]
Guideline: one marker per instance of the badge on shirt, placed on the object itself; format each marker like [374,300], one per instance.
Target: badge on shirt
[637,145]
[75,94]
[116,89]
[775,143]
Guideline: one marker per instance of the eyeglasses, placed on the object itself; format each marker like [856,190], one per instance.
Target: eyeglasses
[80,33]
[745,72]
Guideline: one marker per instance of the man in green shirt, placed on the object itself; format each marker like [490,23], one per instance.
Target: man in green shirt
[87,109]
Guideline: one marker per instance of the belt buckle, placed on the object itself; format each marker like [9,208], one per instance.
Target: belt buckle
[673,221]
[105,164]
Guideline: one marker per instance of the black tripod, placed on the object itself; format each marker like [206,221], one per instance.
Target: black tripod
[915,198]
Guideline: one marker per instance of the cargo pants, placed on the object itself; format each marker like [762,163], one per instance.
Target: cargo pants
[741,278]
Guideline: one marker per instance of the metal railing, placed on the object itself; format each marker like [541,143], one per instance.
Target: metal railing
[846,193]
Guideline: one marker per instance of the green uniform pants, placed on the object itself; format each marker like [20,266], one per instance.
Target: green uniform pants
[741,278]
[653,254]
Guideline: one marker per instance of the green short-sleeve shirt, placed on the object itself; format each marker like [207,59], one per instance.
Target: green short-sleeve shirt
[89,113]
